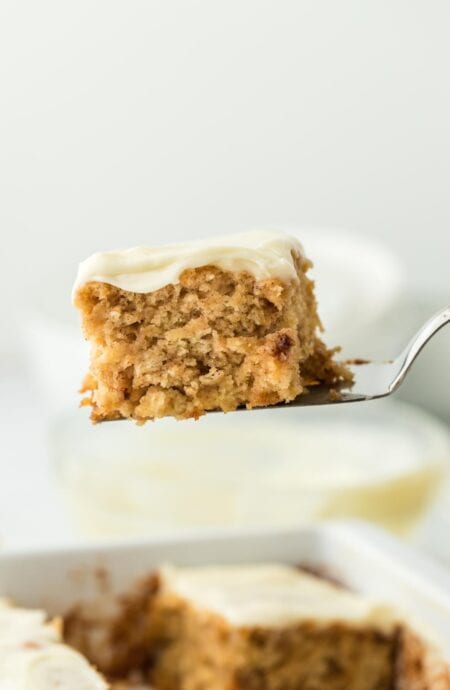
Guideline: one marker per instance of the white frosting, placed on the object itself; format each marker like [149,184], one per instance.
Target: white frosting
[271,594]
[32,656]
[262,253]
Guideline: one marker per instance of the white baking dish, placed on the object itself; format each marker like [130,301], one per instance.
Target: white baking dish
[361,556]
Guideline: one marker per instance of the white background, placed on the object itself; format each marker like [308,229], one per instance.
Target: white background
[141,121]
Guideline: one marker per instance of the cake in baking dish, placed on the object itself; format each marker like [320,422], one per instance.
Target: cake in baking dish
[239,627]
[210,325]
[266,626]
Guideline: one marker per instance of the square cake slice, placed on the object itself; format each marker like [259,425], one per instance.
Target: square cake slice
[211,325]
[268,627]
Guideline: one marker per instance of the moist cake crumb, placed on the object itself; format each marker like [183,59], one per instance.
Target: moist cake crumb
[216,339]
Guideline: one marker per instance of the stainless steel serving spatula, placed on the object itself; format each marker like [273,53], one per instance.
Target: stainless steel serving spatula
[373,380]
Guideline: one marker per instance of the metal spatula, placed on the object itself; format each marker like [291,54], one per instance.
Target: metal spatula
[375,379]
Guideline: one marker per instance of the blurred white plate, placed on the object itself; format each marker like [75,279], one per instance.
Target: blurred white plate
[379,461]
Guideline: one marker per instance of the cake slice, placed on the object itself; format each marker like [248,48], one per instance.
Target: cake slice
[265,626]
[33,656]
[211,325]
[268,627]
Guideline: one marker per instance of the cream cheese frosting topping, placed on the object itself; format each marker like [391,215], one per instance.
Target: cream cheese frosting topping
[262,253]
[271,594]
[32,656]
